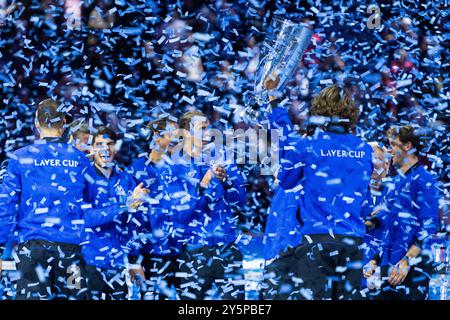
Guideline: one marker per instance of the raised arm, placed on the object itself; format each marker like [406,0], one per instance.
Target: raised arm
[291,171]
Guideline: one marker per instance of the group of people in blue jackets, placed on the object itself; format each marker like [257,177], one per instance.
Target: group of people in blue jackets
[85,226]
[348,220]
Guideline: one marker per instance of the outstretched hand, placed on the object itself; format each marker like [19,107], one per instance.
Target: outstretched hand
[219,172]
[369,268]
[138,194]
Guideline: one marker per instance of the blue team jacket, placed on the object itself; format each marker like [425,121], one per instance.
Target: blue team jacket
[156,215]
[282,227]
[203,216]
[332,172]
[373,239]
[47,181]
[105,244]
[411,214]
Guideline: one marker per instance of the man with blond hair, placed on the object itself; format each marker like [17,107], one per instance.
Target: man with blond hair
[332,171]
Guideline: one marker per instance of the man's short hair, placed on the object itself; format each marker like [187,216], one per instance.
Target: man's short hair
[335,103]
[159,125]
[185,121]
[406,134]
[49,116]
[78,127]
[105,131]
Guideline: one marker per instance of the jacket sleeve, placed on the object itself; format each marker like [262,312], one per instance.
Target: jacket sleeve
[279,119]
[131,223]
[367,208]
[93,216]
[10,191]
[188,199]
[428,207]
[291,171]
[235,193]
[132,171]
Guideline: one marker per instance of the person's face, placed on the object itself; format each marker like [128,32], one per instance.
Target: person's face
[381,164]
[164,140]
[104,150]
[399,152]
[198,135]
[205,137]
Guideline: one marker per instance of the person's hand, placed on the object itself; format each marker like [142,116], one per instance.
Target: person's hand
[369,225]
[399,272]
[137,274]
[138,193]
[369,268]
[271,82]
[206,179]
[8,10]
[220,172]
[1,264]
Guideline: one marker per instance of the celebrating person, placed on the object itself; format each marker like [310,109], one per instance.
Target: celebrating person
[47,181]
[161,249]
[104,246]
[282,232]
[411,218]
[332,170]
[203,198]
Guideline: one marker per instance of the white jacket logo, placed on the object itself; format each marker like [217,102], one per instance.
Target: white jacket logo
[120,190]
[56,163]
[342,153]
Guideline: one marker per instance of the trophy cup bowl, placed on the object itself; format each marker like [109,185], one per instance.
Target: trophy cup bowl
[283,49]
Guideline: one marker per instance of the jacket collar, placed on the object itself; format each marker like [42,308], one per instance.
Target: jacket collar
[53,139]
[411,169]
[100,173]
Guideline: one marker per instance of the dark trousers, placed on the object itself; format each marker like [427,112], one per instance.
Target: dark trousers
[213,272]
[326,268]
[50,270]
[106,284]
[415,286]
[160,272]
[280,277]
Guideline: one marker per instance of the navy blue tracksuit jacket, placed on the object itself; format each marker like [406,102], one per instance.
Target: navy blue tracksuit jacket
[282,227]
[204,216]
[411,214]
[332,172]
[47,182]
[156,216]
[105,240]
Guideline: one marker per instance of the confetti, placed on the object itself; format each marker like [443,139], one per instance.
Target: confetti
[128,64]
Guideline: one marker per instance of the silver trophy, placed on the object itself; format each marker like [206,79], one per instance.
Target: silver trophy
[282,51]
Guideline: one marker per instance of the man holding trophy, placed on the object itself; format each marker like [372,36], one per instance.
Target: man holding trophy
[331,170]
